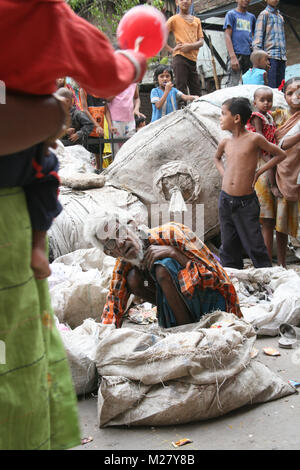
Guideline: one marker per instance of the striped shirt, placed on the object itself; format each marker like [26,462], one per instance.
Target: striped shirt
[202,271]
[269,33]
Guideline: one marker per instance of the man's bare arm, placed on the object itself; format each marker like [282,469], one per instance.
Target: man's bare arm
[27,120]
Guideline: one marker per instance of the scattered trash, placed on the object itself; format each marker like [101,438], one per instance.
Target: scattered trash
[142,315]
[86,440]
[288,335]
[293,383]
[254,353]
[181,442]
[271,352]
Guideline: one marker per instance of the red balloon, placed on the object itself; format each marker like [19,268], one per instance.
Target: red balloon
[144,22]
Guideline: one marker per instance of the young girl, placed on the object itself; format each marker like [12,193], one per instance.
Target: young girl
[164,97]
[261,121]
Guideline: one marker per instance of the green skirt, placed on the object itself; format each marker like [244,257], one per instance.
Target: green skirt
[38,407]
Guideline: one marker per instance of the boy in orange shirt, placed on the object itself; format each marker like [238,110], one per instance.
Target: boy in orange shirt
[188,35]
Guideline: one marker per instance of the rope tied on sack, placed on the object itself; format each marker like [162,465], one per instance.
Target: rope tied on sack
[177,183]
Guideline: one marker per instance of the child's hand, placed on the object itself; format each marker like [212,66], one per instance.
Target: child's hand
[178,46]
[235,65]
[99,131]
[256,176]
[185,48]
[70,131]
[168,86]
[275,191]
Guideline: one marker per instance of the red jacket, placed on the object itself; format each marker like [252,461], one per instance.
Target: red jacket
[42,40]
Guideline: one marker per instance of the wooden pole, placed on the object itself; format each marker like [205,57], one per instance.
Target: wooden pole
[213,62]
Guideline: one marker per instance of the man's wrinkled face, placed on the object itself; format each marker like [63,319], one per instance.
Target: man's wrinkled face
[125,244]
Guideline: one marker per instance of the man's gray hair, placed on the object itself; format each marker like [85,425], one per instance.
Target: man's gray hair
[106,224]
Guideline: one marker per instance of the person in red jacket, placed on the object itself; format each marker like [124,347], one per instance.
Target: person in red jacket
[41,40]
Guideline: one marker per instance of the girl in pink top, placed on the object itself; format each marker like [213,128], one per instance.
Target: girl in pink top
[123,108]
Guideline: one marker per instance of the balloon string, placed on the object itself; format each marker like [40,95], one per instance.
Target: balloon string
[137,43]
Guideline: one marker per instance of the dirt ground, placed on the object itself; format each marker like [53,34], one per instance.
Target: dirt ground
[272,425]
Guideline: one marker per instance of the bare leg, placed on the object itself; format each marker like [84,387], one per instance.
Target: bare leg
[267,228]
[177,305]
[141,285]
[98,162]
[39,261]
[282,241]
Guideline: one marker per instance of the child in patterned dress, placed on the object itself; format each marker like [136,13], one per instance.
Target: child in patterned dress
[261,121]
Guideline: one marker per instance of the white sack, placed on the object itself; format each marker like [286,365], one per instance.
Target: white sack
[78,291]
[181,375]
[190,135]
[66,233]
[284,303]
[81,345]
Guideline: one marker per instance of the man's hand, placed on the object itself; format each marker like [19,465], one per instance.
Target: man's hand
[155,252]
[74,137]
[70,131]
[235,65]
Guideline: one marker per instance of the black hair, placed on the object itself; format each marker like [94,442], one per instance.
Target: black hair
[160,69]
[289,82]
[139,120]
[241,106]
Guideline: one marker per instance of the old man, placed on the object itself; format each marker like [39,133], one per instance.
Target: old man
[167,266]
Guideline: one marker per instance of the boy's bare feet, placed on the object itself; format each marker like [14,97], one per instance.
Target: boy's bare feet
[39,263]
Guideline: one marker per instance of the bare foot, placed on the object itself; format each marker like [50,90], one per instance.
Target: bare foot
[40,264]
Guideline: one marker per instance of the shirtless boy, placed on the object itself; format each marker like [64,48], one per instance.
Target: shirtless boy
[238,204]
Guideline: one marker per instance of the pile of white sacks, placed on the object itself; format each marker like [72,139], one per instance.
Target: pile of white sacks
[148,375]
[152,376]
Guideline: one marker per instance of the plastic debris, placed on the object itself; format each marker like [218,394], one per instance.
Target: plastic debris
[181,442]
[294,384]
[271,352]
[86,440]
[254,353]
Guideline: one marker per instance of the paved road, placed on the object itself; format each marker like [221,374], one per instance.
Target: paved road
[272,425]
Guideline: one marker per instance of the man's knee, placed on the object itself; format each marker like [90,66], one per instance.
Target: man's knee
[162,275]
[135,281]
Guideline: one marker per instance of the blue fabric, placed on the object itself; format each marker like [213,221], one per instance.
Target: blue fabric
[254,77]
[156,94]
[276,73]
[243,26]
[202,302]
